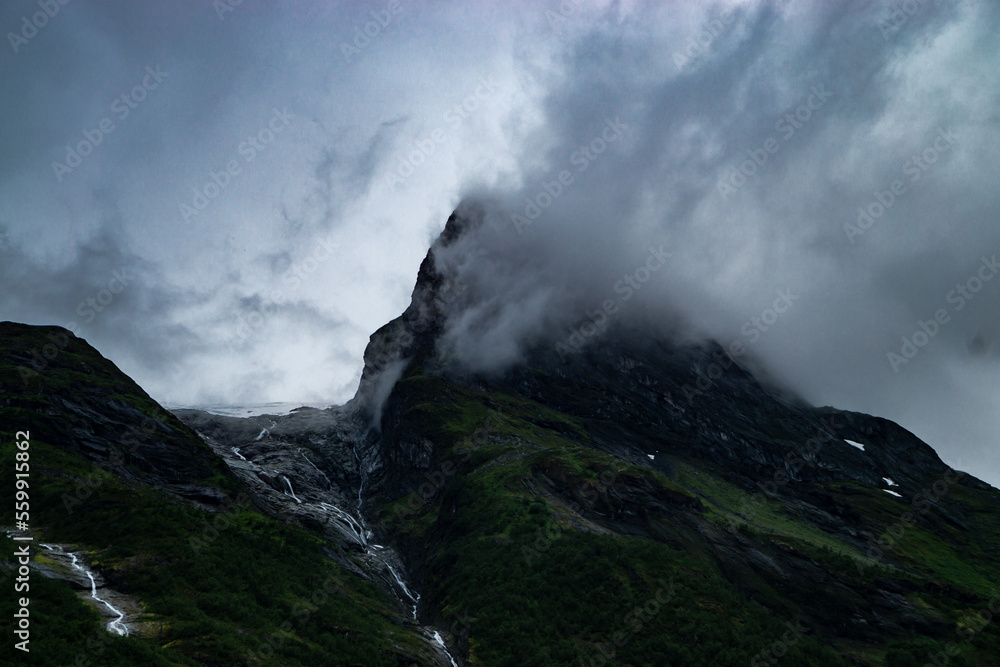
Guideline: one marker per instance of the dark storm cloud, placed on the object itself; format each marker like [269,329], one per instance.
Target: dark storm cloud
[699,167]
[759,207]
[113,206]
[341,176]
[104,292]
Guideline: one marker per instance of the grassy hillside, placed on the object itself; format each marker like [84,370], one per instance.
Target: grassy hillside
[219,583]
[530,541]
[551,552]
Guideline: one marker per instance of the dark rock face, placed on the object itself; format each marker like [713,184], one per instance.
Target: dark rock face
[638,397]
[309,467]
[314,448]
[638,401]
[651,404]
[99,413]
[628,438]
[413,334]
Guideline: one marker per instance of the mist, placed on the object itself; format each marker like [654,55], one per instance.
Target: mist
[815,182]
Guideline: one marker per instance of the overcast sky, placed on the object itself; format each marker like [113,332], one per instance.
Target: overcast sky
[228,199]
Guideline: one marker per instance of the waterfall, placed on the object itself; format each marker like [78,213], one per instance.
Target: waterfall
[361,472]
[402,585]
[437,638]
[328,482]
[290,492]
[266,431]
[352,524]
[355,526]
[116,625]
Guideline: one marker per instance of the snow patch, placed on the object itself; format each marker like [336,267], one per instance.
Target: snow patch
[855,444]
[892,493]
[889,482]
[651,456]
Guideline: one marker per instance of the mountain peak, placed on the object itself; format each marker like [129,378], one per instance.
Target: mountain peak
[417,328]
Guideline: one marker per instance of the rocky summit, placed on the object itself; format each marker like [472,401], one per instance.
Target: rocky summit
[637,501]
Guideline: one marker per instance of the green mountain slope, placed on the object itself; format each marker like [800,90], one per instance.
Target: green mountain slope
[561,553]
[609,506]
[552,504]
[153,510]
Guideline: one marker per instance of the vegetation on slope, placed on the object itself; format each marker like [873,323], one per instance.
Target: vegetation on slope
[532,545]
[218,585]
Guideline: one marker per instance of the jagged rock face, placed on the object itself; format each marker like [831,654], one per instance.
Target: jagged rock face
[414,333]
[637,396]
[666,452]
[663,407]
[170,517]
[314,448]
[639,399]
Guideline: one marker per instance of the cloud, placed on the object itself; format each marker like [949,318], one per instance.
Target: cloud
[806,153]
[736,139]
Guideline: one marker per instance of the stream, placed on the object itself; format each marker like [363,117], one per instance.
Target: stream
[291,491]
[351,524]
[437,638]
[361,535]
[116,625]
[354,527]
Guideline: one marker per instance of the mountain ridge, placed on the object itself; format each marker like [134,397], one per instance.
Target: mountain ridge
[569,509]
